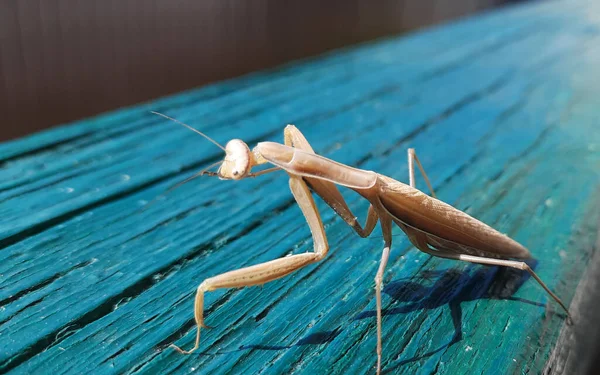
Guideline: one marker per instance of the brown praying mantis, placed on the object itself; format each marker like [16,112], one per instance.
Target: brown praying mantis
[434,227]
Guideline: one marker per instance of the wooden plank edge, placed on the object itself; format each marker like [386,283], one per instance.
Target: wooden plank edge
[577,346]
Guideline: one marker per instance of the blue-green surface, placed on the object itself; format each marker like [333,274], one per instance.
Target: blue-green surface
[504,113]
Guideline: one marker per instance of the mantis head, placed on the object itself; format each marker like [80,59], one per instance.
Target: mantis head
[238,161]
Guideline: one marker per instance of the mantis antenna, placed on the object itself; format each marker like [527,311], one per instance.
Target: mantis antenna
[192,129]
[201,173]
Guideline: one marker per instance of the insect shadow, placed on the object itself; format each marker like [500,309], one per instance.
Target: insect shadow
[431,290]
[316,338]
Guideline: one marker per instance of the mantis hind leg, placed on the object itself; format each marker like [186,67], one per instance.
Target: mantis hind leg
[506,263]
[412,158]
[419,239]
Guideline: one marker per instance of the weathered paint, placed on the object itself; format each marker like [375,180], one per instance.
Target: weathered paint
[502,109]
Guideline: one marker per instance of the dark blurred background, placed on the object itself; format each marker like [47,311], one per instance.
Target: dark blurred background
[62,60]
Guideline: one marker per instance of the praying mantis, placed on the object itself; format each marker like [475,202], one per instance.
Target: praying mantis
[432,226]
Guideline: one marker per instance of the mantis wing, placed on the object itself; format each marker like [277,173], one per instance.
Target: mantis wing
[447,227]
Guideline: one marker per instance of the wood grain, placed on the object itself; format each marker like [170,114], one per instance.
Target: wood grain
[503,113]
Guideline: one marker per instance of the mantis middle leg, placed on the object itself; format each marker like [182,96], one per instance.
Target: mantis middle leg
[412,158]
[386,226]
[265,272]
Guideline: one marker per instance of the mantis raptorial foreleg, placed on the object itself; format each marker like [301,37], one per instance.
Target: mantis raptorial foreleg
[331,195]
[419,239]
[263,273]
[327,190]
[412,158]
[264,171]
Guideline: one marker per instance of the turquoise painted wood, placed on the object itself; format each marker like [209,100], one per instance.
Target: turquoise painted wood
[503,111]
